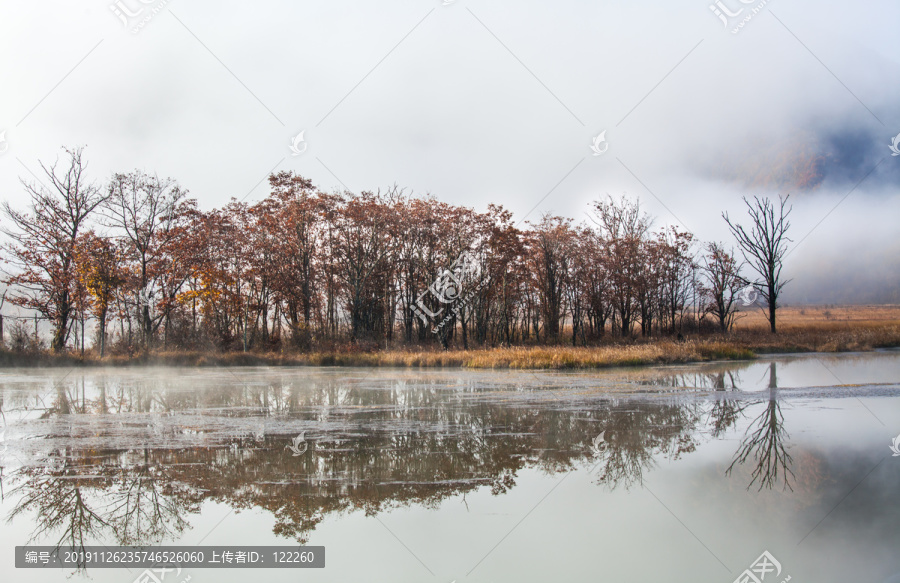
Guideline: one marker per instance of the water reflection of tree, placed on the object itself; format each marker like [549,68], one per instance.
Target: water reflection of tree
[146,506]
[407,444]
[81,504]
[764,442]
[638,433]
[726,408]
[59,504]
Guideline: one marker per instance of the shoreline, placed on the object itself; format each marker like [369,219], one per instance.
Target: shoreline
[739,345]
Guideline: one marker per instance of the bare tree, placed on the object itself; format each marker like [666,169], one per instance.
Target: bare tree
[42,244]
[671,254]
[623,226]
[364,252]
[724,283]
[551,249]
[148,212]
[764,246]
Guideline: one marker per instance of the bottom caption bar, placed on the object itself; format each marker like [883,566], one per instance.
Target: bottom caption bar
[220,557]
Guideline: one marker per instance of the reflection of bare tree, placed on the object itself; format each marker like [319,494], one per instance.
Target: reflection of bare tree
[638,433]
[59,503]
[79,505]
[764,442]
[146,507]
[725,411]
[717,376]
[623,465]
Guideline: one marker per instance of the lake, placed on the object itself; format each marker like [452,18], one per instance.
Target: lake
[779,467]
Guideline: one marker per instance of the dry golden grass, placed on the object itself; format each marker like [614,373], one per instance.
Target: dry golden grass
[822,317]
[539,357]
[552,357]
[821,329]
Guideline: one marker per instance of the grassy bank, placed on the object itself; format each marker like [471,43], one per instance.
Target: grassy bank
[540,357]
[745,343]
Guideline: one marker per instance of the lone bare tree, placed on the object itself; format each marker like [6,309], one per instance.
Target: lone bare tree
[764,246]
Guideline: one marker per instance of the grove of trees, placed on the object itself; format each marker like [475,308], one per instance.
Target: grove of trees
[304,269]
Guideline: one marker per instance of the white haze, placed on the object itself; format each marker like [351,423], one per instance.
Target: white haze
[483,101]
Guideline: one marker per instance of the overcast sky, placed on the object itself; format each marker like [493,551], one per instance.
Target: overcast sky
[481,101]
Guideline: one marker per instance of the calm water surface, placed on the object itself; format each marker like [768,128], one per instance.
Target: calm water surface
[684,473]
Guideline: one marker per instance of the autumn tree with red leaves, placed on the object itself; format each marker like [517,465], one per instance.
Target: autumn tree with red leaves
[303,269]
[43,241]
[102,274]
[152,216]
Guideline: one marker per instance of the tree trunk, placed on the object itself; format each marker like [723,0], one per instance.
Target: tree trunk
[102,334]
[772,305]
[59,335]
